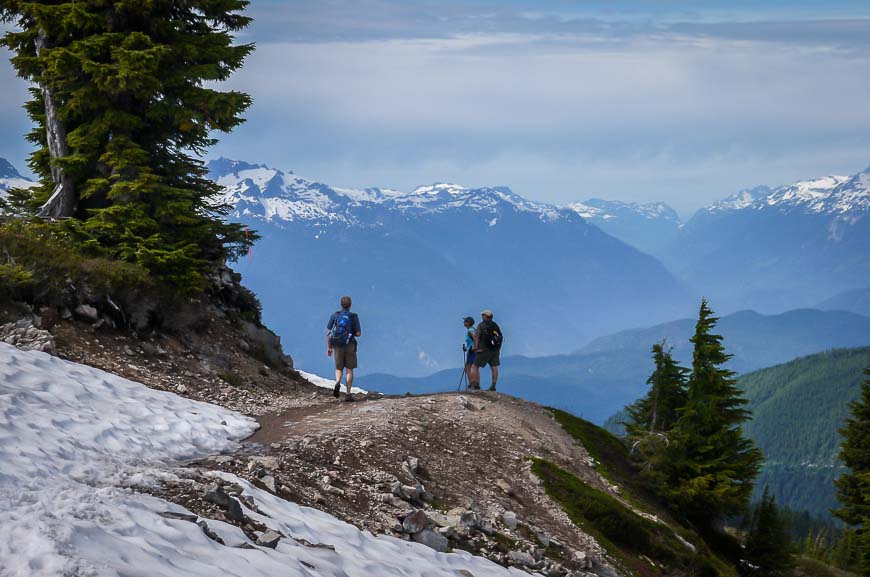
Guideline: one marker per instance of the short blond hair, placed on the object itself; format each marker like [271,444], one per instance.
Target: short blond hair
[346,302]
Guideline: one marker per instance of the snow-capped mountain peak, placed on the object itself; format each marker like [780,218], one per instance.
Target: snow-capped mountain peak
[440,188]
[599,209]
[834,195]
[265,193]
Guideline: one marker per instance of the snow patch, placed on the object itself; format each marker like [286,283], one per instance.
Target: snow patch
[325,383]
[74,439]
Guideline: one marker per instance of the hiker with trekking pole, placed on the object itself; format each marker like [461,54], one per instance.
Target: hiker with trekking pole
[468,352]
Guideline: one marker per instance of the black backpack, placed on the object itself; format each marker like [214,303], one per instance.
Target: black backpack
[491,335]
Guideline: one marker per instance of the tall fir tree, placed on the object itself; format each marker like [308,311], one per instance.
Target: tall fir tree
[769,551]
[123,104]
[853,488]
[711,465]
[658,411]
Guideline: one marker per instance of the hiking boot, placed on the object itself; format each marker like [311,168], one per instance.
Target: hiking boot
[336,389]
[474,386]
[491,388]
[348,398]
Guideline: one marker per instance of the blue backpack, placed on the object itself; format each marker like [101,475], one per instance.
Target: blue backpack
[342,329]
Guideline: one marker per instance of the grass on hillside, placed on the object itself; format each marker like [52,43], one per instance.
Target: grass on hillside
[612,461]
[644,547]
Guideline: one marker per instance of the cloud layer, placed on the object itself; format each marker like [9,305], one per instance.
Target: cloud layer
[611,100]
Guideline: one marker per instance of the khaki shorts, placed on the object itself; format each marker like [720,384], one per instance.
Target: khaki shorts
[488,357]
[345,357]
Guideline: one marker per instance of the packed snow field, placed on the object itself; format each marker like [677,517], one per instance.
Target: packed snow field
[74,441]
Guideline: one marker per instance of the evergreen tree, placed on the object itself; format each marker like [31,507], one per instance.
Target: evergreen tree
[658,411]
[121,112]
[769,552]
[710,465]
[651,418]
[853,488]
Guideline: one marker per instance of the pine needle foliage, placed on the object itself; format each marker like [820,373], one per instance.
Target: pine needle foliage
[853,488]
[651,419]
[710,465]
[133,84]
[769,551]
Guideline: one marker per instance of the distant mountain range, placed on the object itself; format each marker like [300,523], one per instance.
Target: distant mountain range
[773,249]
[797,409]
[557,276]
[610,372]
[416,263]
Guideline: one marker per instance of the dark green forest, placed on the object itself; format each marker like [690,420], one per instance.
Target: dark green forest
[797,409]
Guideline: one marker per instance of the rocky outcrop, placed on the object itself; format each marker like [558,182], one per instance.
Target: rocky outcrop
[25,335]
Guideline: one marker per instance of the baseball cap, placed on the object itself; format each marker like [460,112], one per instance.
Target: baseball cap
[487,313]
[468,320]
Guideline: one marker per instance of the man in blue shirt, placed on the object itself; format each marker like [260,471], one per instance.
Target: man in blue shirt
[342,331]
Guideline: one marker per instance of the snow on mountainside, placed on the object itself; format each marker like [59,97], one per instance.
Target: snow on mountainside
[11,178]
[596,208]
[773,249]
[259,192]
[833,195]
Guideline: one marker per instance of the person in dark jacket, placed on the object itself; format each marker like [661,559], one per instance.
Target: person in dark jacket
[486,355]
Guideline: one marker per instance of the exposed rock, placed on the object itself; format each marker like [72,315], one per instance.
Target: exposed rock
[469,521]
[87,313]
[442,520]
[504,486]
[521,558]
[208,532]
[269,483]
[416,522]
[180,516]
[216,494]
[234,510]
[265,342]
[432,539]
[24,335]
[509,518]
[269,539]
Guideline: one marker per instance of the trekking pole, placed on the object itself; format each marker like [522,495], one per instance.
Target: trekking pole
[463,375]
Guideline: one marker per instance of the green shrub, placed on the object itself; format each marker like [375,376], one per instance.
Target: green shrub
[42,264]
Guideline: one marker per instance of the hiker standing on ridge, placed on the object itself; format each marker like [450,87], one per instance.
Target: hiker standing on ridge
[341,333]
[487,342]
[468,348]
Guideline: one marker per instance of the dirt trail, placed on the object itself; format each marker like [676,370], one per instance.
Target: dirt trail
[473,450]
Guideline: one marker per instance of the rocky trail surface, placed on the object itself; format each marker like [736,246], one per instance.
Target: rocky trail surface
[452,471]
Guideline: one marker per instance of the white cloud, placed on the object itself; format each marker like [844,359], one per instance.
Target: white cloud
[680,119]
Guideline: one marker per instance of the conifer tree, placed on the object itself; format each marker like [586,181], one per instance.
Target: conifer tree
[711,465]
[658,411]
[853,488]
[769,552]
[123,105]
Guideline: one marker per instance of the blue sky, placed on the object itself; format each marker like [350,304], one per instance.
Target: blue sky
[685,102]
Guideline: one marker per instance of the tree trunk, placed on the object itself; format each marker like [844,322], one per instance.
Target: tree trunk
[62,202]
